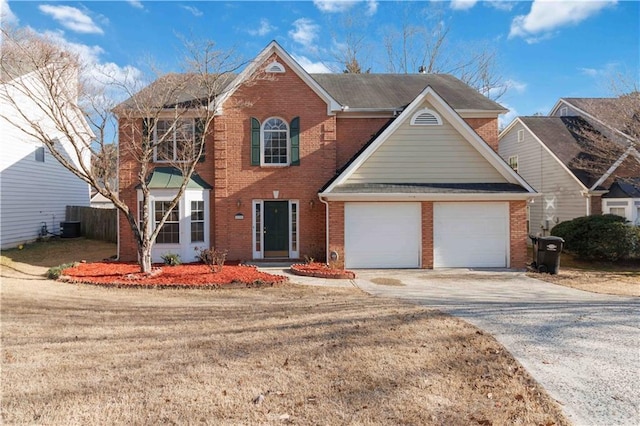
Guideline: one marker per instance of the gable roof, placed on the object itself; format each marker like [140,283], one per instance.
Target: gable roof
[341,92]
[565,138]
[615,113]
[396,91]
[430,95]
[624,188]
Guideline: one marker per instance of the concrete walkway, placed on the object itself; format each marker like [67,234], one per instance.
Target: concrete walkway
[584,348]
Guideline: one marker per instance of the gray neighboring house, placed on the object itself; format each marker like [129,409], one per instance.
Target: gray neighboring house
[554,155]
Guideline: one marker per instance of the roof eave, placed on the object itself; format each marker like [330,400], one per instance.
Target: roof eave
[358,196]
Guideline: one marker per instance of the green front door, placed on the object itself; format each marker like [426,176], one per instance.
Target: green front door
[276,229]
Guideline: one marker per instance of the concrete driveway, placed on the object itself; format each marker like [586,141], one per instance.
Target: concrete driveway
[584,348]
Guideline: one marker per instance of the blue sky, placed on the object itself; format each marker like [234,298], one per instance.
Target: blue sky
[545,49]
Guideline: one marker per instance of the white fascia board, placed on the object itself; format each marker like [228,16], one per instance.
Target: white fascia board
[443,108]
[630,151]
[546,148]
[498,196]
[274,47]
[556,107]
[508,128]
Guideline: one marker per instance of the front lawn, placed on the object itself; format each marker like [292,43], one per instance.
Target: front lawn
[619,278]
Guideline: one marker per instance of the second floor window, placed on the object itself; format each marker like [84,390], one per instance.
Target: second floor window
[174,140]
[275,139]
[275,142]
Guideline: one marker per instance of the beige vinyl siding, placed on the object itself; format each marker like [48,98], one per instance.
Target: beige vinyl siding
[561,198]
[426,154]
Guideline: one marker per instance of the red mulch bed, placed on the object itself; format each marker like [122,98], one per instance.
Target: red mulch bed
[198,275]
[321,270]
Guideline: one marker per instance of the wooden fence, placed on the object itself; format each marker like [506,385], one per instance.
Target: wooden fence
[96,224]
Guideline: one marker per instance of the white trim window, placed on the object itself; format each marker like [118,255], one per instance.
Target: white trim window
[170,231]
[521,135]
[197,221]
[275,142]
[618,211]
[426,117]
[513,163]
[174,140]
[259,228]
[275,67]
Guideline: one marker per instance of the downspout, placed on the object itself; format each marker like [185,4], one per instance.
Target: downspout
[326,226]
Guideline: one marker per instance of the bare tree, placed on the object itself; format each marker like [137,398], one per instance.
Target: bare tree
[609,136]
[425,47]
[40,86]
[353,53]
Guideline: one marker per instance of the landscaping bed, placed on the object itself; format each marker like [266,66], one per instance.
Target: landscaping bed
[118,274]
[321,270]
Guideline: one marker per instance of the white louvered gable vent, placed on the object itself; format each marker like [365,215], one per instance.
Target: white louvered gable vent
[426,117]
[275,67]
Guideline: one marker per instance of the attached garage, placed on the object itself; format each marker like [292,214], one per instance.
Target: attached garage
[471,235]
[382,235]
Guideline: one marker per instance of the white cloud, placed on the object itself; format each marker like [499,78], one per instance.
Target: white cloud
[338,6]
[136,3]
[372,7]
[547,16]
[334,6]
[264,28]
[6,15]
[94,70]
[462,4]
[71,18]
[310,66]
[606,71]
[305,32]
[194,10]
[505,5]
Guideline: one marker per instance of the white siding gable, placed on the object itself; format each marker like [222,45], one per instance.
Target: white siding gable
[426,154]
[32,192]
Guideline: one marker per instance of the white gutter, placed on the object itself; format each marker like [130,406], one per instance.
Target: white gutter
[502,196]
[326,214]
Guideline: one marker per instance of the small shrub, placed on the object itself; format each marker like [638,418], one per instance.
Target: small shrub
[602,237]
[212,257]
[55,272]
[171,259]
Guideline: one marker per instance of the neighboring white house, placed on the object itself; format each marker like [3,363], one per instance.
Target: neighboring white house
[34,187]
[623,199]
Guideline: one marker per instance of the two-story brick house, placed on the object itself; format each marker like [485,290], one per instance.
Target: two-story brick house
[371,170]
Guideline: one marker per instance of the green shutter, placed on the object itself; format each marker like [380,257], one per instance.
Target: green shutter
[199,132]
[294,132]
[255,142]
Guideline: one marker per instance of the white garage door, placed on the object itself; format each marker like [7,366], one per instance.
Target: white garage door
[382,235]
[470,235]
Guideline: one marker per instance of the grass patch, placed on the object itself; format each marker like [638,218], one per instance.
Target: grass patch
[307,355]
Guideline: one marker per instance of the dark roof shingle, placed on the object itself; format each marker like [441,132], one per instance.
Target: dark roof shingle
[571,139]
[390,91]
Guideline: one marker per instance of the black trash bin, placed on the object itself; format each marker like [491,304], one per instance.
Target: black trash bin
[546,254]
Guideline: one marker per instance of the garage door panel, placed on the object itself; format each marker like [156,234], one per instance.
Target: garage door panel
[382,235]
[471,234]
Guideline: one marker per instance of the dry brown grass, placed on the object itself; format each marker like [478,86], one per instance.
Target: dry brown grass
[619,278]
[85,355]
